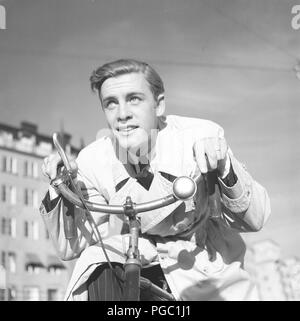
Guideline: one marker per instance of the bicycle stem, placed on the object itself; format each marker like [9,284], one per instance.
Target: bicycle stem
[132,266]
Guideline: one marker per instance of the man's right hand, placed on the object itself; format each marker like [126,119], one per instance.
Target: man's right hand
[52,163]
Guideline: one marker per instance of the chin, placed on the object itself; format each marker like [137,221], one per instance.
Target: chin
[128,143]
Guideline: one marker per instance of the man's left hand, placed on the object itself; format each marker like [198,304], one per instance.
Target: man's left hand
[211,153]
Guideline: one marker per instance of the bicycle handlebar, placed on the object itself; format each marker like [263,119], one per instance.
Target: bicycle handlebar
[114,209]
[184,188]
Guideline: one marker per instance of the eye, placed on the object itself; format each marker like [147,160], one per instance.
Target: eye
[111,104]
[135,100]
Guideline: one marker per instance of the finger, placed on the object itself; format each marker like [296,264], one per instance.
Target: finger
[54,158]
[45,167]
[210,151]
[44,172]
[223,148]
[199,153]
[45,163]
[52,166]
[218,149]
[74,168]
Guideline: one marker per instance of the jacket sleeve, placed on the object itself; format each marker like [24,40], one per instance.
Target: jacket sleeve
[245,205]
[68,249]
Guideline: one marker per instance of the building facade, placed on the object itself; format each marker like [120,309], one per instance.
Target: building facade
[29,266]
[277,279]
[264,258]
[290,273]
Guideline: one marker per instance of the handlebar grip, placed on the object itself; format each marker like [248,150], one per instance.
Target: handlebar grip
[68,211]
[211,181]
[214,201]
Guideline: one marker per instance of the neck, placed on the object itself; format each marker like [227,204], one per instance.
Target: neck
[141,155]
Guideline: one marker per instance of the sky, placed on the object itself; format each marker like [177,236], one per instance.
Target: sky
[228,61]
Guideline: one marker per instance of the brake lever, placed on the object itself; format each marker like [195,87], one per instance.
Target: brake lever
[68,215]
[211,181]
[213,194]
[61,153]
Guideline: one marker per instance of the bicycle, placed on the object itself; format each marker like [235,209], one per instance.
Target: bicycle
[184,188]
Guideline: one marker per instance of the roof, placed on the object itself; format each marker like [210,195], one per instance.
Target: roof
[32,259]
[54,261]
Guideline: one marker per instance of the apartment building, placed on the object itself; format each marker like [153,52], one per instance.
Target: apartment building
[29,266]
[263,265]
[290,273]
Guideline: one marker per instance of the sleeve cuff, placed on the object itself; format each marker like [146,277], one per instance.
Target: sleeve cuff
[236,198]
[229,178]
[232,192]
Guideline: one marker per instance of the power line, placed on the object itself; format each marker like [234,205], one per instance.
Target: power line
[246,27]
[220,66]
[196,64]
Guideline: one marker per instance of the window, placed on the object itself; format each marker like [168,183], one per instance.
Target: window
[12,266]
[13,227]
[13,195]
[32,269]
[31,169]
[14,166]
[3,225]
[26,229]
[12,293]
[2,295]
[55,271]
[26,196]
[31,198]
[52,295]
[44,149]
[35,199]
[31,293]
[6,138]
[35,169]
[3,193]
[6,164]
[9,193]
[3,259]
[10,165]
[6,226]
[26,168]
[35,230]
[3,164]
[32,229]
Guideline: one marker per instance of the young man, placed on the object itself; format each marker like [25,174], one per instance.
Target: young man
[199,255]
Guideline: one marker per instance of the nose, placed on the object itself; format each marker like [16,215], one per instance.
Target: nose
[124,112]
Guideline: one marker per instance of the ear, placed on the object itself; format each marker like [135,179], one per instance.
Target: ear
[160,108]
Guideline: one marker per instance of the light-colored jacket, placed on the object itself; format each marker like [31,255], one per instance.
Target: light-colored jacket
[201,257]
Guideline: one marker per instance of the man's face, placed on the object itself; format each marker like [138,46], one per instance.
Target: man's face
[131,109]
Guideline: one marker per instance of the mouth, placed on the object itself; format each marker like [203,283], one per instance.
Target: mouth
[126,130]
